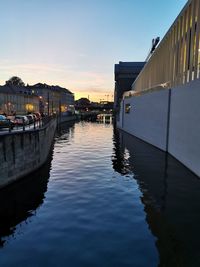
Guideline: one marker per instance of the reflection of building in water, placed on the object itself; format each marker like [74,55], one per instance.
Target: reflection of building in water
[118,159]
[105,118]
[170,194]
[20,200]
[64,130]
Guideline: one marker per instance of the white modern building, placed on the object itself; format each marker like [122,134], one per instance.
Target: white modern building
[162,108]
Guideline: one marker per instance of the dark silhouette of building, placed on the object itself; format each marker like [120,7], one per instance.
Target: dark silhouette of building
[125,75]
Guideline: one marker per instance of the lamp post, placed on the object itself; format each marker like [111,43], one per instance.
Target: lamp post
[48,104]
[41,105]
[9,107]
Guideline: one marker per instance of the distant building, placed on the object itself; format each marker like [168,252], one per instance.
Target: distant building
[53,99]
[40,97]
[82,103]
[15,99]
[125,75]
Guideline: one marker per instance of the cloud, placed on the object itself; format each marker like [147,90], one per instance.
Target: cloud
[92,82]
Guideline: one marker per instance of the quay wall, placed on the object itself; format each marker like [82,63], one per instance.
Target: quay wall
[168,119]
[147,118]
[184,128]
[23,152]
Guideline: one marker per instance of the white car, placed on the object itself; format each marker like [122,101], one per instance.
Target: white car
[21,120]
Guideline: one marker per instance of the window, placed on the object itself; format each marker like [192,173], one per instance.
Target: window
[127,108]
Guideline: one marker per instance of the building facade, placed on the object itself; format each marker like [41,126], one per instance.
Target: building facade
[176,60]
[125,75]
[41,98]
[13,101]
[53,99]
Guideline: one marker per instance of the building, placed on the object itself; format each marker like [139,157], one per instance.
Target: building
[53,99]
[14,100]
[42,98]
[162,108]
[125,75]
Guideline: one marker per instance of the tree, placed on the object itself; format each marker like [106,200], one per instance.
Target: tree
[15,81]
[83,102]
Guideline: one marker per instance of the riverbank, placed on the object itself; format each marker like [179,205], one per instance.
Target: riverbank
[25,151]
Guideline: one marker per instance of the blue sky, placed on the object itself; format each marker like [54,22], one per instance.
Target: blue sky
[75,43]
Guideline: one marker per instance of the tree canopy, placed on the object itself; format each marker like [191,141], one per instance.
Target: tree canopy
[15,81]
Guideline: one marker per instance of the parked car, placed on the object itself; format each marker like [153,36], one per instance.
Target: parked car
[38,115]
[21,120]
[6,123]
[35,117]
[31,118]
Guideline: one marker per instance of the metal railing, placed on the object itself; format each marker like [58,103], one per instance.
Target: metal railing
[176,60]
[37,124]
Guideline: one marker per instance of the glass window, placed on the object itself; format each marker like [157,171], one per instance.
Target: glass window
[127,108]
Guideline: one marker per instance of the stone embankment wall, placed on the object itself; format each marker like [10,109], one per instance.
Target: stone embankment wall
[24,152]
[169,120]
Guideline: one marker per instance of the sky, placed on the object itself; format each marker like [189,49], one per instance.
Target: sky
[75,43]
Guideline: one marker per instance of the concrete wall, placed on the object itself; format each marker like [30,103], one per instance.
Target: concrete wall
[24,152]
[184,128]
[147,118]
[169,120]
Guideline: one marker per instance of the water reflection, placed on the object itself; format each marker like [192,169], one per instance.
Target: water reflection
[171,198]
[21,200]
[94,216]
[64,129]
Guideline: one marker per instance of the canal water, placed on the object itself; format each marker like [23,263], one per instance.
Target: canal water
[106,199]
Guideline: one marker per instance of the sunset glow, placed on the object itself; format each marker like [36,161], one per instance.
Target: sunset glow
[75,44]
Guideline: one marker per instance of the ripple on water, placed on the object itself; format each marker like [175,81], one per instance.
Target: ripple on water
[91,215]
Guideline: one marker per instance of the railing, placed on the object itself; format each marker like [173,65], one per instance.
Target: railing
[157,87]
[37,124]
[176,60]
